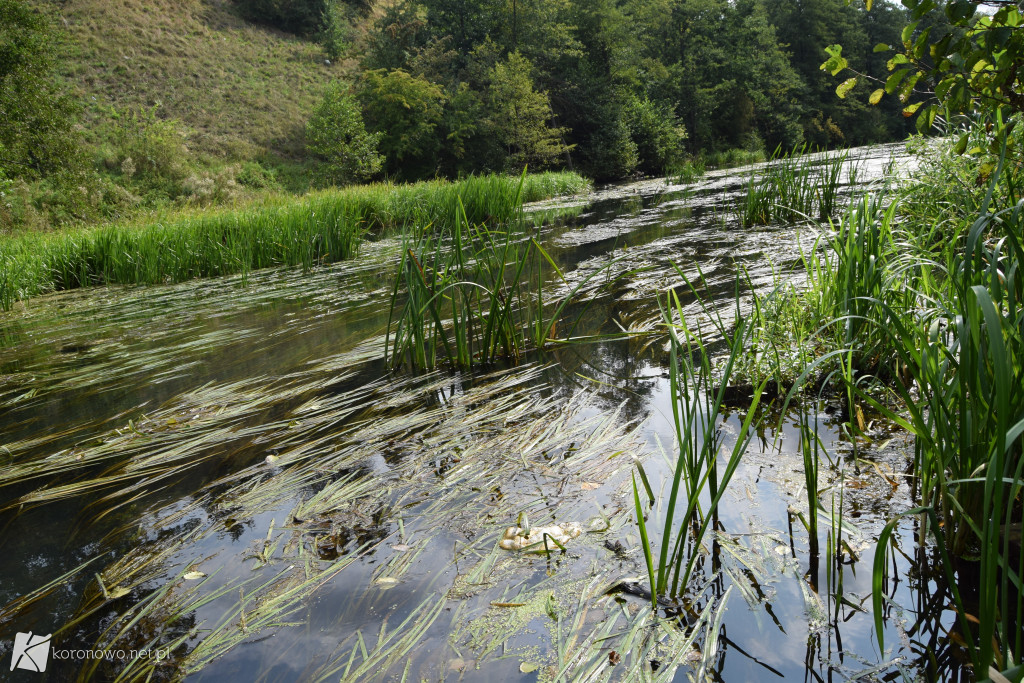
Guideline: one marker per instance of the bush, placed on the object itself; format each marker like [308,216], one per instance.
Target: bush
[406,110]
[658,135]
[301,17]
[336,136]
[37,135]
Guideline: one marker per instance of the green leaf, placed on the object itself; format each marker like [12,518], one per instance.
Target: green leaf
[910,110]
[908,31]
[894,80]
[876,96]
[835,62]
[898,58]
[961,144]
[882,47]
[551,606]
[846,86]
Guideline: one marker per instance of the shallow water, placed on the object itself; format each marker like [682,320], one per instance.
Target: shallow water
[242,474]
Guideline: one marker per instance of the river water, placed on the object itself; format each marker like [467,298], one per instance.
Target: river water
[224,472]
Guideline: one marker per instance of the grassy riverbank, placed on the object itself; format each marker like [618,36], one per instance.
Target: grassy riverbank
[320,227]
[912,309]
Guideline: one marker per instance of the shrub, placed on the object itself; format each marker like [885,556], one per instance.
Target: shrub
[521,116]
[406,110]
[37,135]
[302,17]
[337,137]
[148,152]
[658,135]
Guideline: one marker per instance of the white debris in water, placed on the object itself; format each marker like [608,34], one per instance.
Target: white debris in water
[533,540]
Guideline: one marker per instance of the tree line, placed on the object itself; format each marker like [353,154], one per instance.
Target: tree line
[611,88]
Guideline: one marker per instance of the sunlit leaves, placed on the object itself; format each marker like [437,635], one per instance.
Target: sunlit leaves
[845,87]
[836,62]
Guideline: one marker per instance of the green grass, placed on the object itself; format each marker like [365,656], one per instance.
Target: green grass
[321,227]
[703,469]
[471,292]
[915,306]
[241,90]
[691,170]
[792,188]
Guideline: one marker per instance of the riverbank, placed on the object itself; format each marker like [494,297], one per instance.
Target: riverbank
[320,227]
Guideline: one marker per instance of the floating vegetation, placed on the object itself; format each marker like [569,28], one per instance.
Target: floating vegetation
[225,472]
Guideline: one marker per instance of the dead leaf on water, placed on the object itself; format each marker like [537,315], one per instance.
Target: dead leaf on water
[528,667]
[401,547]
[386,582]
[193,575]
[589,486]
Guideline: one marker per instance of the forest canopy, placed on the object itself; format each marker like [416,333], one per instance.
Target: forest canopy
[621,87]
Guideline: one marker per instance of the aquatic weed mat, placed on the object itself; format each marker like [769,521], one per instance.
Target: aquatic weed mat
[400,483]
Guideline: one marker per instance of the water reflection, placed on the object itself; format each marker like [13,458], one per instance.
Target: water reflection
[281,450]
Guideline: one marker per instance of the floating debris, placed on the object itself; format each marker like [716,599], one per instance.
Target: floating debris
[541,539]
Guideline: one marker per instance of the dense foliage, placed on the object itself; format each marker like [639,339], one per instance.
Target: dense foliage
[633,85]
[36,117]
[950,58]
[337,138]
[439,88]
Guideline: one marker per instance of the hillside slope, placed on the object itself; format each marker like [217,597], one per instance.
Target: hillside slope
[242,91]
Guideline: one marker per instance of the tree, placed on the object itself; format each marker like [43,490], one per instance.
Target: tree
[972,64]
[406,110]
[336,136]
[37,136]
[520,116]
[657,133]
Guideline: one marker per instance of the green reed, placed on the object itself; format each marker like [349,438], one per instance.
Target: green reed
[793,187]
[924,321]
[319,228]
[703,467]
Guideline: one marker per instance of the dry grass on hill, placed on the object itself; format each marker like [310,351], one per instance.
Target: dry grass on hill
[241,90]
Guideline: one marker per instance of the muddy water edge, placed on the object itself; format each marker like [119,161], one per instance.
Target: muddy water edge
[224,473]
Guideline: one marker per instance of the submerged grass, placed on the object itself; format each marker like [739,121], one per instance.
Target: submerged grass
[319,228]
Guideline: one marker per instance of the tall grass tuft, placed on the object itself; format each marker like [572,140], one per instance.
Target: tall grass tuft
[703,468]
[793,187]
[465,301]
[934,311]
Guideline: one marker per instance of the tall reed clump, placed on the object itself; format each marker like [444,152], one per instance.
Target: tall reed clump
[319,228]
[473,294]
[703,467]
[459,296]
[793,187]
[689,171]
[305,233]
[934,311]
[965,407]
